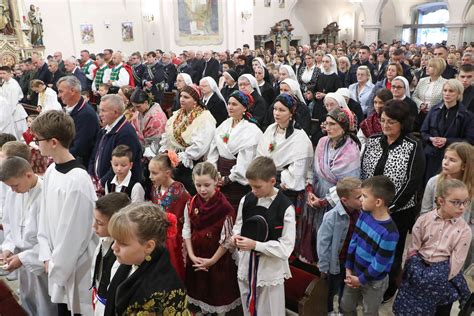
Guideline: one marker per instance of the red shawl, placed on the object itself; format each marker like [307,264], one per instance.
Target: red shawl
[371,125]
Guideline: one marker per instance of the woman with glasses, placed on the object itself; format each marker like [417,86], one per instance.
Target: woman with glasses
[399,156]
[308,75]
[446,123]
[248,84]
[391,71]
[400,89]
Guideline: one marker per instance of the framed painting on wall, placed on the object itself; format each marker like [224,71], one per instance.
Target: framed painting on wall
[127,31]
[199,22]
[87,33]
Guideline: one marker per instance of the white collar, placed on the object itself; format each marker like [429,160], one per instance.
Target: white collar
[125,181]
[206,99]
[108,128]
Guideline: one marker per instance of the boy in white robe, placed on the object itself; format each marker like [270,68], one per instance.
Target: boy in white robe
[11,109]
[65,236]
[20,224]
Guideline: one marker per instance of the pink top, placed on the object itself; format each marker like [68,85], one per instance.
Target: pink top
[437,239]
[150,126]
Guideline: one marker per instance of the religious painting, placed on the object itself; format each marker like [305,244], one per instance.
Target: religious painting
[281,4]
[127,31]
[267,3]
[199,22]
[87,33]
[6,18]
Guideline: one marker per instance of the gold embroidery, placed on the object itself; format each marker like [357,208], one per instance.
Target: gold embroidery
[182,121]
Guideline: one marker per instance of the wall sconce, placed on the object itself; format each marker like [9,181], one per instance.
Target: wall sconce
[107,24]
[148,18]
[246,15]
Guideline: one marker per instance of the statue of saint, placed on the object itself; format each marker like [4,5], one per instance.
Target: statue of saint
[6,25]
[36,26]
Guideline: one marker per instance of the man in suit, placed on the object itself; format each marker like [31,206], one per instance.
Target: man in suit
[442,52]
[53,67]
[137,68]
[71,67]
[466,77]
[211,66]
[42,72]
[170,71]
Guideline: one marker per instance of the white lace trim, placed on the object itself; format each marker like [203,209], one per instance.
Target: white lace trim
[270,282]
[215,309]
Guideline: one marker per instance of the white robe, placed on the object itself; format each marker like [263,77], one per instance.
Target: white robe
[241,145]
[20,224]
[50,101]
[292,156]
[66,238]
[12,93]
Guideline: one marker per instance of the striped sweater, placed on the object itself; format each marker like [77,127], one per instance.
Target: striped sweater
[372,248]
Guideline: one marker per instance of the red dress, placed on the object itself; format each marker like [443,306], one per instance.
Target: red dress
[216,290]
[174,201]
[39,163]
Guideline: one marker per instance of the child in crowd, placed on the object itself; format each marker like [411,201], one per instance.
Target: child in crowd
[65,237]
[145,283]
[85,95]
[210,268]
[124,180]
[104,89]
[262,286]
[20,248]
[371,250]
[4,138]
[433,280]
[172,197]
[39,162]
[458,163]
[335,233]
[105,265]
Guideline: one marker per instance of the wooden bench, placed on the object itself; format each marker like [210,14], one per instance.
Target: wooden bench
[306,293]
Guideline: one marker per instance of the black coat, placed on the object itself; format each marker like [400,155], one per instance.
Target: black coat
[44,74]
[211,69]
[259,109]
[268,93]
[227,91]
[468,98]
[217,108]
[137,71]
[54,81]
[82,79]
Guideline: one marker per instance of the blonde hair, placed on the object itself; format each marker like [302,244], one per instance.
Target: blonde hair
[205,169]
[465,151]
[367,71]
[438,64]
[456,85]
[443,188]
[150,221]
[345,186]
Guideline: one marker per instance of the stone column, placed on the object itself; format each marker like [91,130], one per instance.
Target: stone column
[455,33]
[371,33]
[372,13]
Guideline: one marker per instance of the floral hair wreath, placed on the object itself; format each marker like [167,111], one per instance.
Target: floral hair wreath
[173,157]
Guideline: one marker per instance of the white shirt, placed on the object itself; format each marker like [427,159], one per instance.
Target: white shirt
[123,77]
[137,194]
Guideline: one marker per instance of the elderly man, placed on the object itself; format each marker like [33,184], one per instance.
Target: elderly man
[53,68]
[71,67]
[42,72]
[210,67]
[170,71]
[117,131]
[117,76]
[85,119]
[58,57]
[467,59]
[11,91]
[87,67]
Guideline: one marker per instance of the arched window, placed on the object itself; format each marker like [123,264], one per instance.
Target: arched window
[429,24]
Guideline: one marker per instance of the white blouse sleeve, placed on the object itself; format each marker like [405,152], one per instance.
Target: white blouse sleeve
[123,79]
[201,141]
[244,158]
[163,143]
[294,176]
[238,221]
[187,224]
[138,193]
[213,154]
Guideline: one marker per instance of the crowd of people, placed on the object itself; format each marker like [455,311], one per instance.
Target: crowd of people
[323,157]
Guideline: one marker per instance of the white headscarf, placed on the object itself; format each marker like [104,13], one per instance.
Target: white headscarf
[260,61]
[405,83]
[187,78]
[295,88]
[338,98]
[252,80]
[333,69]
[212,83]
[290,71]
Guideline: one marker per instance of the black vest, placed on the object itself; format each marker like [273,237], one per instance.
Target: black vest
[274,215]
[103,269]
[125,189]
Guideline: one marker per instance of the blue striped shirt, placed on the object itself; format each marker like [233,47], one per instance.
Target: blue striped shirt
[372,248]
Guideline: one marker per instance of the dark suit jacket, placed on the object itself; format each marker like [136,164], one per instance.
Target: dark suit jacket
[468,98]
[82,78]
[43,74]
[211,69]
[171,74]
[56,76]
[138,74]
[217,108]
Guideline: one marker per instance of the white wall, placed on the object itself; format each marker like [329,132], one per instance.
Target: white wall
[62,20]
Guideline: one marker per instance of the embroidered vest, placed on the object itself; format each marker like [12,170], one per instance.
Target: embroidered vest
[125,189]
[114,75]
[99,77]
[85,68]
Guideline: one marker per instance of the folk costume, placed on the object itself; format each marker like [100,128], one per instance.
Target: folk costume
[150,125]
[208,224]
[130,186]
[99,74]
[232,150]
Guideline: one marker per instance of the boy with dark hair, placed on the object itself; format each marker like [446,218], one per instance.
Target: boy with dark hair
[65,237]
[372,248]
[20,248]
[124,180]
[262,286]
[334,236]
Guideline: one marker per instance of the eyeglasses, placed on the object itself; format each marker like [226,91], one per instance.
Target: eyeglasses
[397,87]
[458,203]
[37,141]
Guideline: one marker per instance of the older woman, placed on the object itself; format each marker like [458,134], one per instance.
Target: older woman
[337,156]
[230,84]
[149,119]
[362,90]
[371,125]
[399,156]
[446,123]
[288,146]
[343,67]
[331,101]
[429,91]
[400,89]
[286,71]
[213,99]
[182,80]
[393,70]
[302,115]
[189,133]
[328,80]
[308,75]
[47,97]
[265,87]
[248,84]
[234,146]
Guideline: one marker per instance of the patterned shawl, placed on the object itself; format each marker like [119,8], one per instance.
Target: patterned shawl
[371,125]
